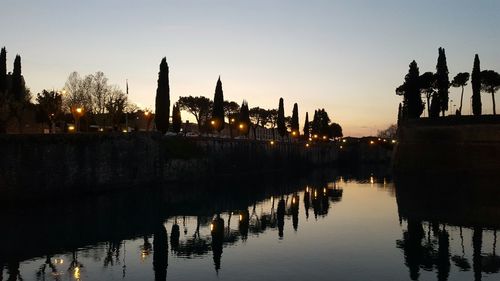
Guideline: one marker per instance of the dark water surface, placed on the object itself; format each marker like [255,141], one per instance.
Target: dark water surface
[326,226]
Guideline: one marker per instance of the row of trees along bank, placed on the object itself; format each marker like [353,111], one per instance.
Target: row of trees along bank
[434,87]
[90,103]
[217,114]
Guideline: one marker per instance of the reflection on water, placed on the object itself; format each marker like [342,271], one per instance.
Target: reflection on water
[456,208]
[326,226]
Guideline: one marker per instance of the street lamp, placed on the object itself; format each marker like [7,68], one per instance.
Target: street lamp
[77,112]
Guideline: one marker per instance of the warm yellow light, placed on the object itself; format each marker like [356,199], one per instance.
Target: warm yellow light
[76,273]
[241,126]
[124,130]
[344,140]
[307,145]
[385,140]
[232,120]
[241,217]
[324,137]
[341,147]
[58,261]
[211,227]
[212,122]
[294,133]
[307,188]
[79,110]
[293,200]
[372,180]
[372,142]
[272,142]
[324,190]
[146,113]
[71,128]
[101,130]
[310,139]
[315,193]
[378,138]
[315,136]
[393,141]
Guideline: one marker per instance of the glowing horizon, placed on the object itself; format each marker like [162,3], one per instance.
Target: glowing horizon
[345,57]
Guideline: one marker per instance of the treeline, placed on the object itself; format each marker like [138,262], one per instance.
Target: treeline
[217,114]
[91,97]
[434,88]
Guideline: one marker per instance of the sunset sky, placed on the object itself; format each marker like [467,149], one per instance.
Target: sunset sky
[344,56]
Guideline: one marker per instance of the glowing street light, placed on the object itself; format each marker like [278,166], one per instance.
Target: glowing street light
[271,142]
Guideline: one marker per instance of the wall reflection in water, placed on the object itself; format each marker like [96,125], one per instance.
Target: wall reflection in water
[436,211]
[202,222]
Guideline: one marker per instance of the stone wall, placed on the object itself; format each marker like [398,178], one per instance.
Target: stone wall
[37,165]
[449,146]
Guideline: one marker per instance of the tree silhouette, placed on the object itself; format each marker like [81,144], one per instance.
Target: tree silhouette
[490,83]
[18,88]
[231,111]
[476,87]
[176,118]
[198,106]
[315,126]
[410,90]
[244,118]
[295,120]
[259,117]
[442,80]
[3,70]
[427,82]
[49,106]
[335,131]
[218,109]
[281,119]
[460,80]
[307,128]
[162,104]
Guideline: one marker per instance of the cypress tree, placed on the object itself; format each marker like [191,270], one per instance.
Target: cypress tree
[244,118]
[176,119]
[17,80]
[315,123]
[442,80]
[162,105]
[218,109]
[295,120]
[3,70]
[307,127]
[281,119]
[414,105]
[476,87]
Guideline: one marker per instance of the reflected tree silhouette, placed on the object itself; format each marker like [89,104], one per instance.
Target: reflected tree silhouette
[477,243]
[243,224]
[160,253]
[13,271]
[217,232]
[307,202]
[40,274]
[281,217]
[174,236]
[294,208]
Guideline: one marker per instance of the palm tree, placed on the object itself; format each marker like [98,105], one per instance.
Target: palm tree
[490,83]
[460,80]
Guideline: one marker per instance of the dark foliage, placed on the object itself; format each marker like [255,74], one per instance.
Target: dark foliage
[412,101]
[244,118]
[307,128]
[49,106]
[281,119]
[490,83]
[427,84]
[476,87]
[335,131]
[442,81]
[18,89]
[218,109]
[294,123]
[162,104]
[176,119]
[3,70]
[460,80]
[200,107]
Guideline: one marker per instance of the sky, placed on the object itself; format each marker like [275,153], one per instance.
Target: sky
[344,56]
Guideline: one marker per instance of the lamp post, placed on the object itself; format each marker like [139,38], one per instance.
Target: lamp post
[77,112]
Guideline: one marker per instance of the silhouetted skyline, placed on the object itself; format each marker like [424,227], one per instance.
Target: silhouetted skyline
[261,49]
